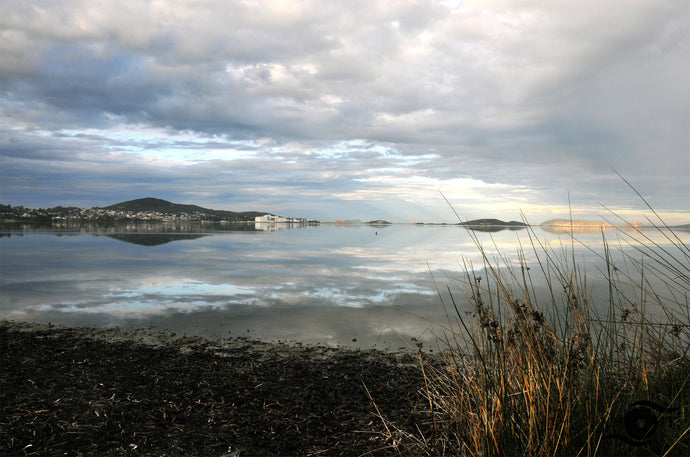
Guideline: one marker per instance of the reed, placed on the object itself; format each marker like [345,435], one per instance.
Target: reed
[549,374]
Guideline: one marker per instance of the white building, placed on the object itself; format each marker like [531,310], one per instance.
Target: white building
[272,219]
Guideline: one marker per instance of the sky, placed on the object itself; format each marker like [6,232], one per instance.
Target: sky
[349,109]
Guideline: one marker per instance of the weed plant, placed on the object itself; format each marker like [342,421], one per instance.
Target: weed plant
[523,373]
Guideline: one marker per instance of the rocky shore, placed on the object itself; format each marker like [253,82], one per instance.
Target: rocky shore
[90,391]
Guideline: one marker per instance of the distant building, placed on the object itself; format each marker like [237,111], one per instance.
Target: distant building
[269,221]
[270,218]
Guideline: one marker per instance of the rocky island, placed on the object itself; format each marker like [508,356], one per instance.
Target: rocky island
[492,225]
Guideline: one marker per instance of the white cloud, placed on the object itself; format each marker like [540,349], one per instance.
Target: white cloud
[532,95]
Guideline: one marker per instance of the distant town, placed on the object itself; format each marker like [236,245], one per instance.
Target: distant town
[141,210]
[20,214]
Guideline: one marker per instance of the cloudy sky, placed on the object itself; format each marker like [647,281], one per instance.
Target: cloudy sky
[348,109]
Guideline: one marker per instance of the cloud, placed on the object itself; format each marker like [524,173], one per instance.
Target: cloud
[305,106]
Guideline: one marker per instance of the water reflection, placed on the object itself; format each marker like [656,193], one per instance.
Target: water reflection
[327,284]
[153,239]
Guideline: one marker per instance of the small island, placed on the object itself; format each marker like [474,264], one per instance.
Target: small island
[378,223]
[492,225]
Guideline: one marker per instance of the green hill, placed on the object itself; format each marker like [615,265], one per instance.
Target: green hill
[163,206]
[493,222]
[492,225]
[155,204]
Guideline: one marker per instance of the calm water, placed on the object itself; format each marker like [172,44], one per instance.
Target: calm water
[353,285]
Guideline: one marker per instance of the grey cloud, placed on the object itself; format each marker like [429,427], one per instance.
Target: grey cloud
[541,95]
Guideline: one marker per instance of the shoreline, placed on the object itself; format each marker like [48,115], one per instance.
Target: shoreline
[87,390]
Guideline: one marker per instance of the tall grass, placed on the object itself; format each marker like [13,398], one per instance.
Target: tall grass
[548,374]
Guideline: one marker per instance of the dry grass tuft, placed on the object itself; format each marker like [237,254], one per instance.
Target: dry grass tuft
[524,375]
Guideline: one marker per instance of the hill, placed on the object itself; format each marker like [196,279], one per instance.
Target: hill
[378,222]
[142,209]
[492,225]
[157,205]
[493,222]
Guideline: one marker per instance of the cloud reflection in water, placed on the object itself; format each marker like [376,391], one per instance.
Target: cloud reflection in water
[322,284]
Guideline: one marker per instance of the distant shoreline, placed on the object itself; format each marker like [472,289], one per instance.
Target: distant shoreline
[150,210]
[182,224]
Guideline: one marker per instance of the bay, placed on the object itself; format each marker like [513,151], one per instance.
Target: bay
[354,285]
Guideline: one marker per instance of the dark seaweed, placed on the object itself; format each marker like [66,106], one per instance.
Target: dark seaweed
[64,393]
